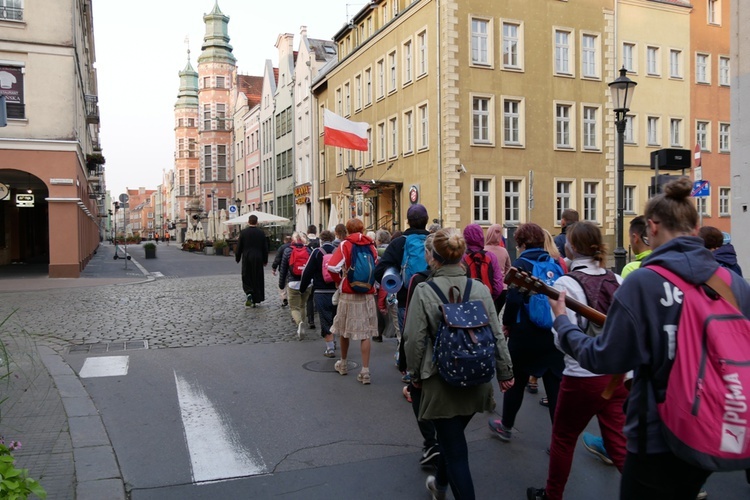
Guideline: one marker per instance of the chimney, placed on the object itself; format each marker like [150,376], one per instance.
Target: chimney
[303,31]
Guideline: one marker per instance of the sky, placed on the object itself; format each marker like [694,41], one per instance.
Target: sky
[140,49]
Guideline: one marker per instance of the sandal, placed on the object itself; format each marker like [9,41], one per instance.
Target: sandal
[406,393]
[533,387]
[544,402]
[364,378]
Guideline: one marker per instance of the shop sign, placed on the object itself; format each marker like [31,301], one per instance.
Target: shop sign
[414,193]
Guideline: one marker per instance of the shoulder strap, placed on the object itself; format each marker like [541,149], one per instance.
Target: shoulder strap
[438,292]
[720,286]
[467,290]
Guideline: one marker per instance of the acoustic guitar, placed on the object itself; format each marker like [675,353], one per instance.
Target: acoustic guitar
[529,284]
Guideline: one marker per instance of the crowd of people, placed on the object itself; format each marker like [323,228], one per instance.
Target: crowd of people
[616,371]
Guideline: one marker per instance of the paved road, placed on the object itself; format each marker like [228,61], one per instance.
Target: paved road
[227,392]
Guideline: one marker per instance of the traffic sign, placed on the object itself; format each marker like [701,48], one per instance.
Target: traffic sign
[232,209]
[698,174]
[124,198]
[701,189]
[697,155]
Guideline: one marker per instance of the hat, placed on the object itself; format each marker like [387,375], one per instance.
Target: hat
[416,211]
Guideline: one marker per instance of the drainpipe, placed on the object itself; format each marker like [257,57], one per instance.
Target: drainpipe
[440,122]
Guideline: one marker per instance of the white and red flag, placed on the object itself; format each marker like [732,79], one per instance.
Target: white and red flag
[343,133]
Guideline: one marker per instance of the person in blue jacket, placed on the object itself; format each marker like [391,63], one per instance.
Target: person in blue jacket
[724,253]
[640,331]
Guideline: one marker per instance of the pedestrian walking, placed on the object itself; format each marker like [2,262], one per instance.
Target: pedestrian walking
[643,333]
[313,242]
[569,216]
[494,243]
[277,263]
[252,248]
[293,264]
[317,273]
[724,253]
[353,264]
[450,408]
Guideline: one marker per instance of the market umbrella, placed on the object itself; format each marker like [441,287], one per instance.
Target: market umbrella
[210,226]
[263,218]
[333,219]
[222,219]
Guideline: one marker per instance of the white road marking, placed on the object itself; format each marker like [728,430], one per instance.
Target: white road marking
[157,274]
[214,446]
[105,366]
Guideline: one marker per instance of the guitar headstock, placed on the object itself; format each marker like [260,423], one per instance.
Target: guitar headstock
[525,282]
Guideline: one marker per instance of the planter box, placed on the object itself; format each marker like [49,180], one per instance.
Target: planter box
[209,250]
[150,253]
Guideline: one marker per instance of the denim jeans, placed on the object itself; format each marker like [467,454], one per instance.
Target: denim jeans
[453,467]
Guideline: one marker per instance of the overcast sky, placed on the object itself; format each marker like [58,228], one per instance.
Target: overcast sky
[140,49]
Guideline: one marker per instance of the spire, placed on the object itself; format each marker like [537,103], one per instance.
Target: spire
[216,46]
[188,95]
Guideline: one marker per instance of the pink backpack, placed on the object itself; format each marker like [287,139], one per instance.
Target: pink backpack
[327,276]
[705,413]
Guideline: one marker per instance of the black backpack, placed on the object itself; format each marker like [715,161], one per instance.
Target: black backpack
[600,291]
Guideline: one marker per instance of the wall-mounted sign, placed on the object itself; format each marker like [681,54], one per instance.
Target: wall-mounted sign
[61,182]
[4,192]
[302,194]
[414,193]
[24,200]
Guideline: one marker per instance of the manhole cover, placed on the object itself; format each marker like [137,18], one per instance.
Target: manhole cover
[326,365]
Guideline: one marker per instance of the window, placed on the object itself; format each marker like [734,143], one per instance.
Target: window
[675,63]
[724,137]
[590,201]
[482,194]
[368,87]
[512,198]
[675,132]
[347,100]
[220,82]
[629,199]
[562,126]
[724,193]
[358,92]
[339,108]
[481,42]
[206,82]
[630,129]
[207,163]
[381,142]
[408,132]
[714,12]
[422,57]
[562,195]
[368,156]
[512,122]
[701,135]
[481,122]
[221,117]
[11,10]
[206,117]
[588,56]
[590,126]
[424,127]
[221,163]
[511,46]
[652,128]
[628,56]
[380,65]
[562,52]
[652,61]
[702,68]
[392,69]
[724,71]
[701,206]
[407,62]
[393,129]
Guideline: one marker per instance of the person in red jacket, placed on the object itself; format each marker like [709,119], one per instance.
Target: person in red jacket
[356,317]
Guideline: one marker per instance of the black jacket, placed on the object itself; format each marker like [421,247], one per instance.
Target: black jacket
[285,274]
[393,257]
[279,256]
[314,272]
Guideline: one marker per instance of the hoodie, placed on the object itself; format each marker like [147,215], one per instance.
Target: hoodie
[341,259]
[640,328]
[494,243]
[726,256]
[474,237]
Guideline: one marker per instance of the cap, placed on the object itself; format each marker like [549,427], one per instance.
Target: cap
[416,211]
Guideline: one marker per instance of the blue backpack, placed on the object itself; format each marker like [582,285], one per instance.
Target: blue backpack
[464,350]
[361,273]
[547,270]
[413,260]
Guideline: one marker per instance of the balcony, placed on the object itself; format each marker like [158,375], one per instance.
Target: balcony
[92,109]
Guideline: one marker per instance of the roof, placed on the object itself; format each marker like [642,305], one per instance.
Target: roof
[324,50]
[252,87]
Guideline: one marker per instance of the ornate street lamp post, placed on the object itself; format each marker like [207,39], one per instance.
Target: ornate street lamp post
[622,94]
[351,175]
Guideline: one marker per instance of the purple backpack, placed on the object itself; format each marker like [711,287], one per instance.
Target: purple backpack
[705,412]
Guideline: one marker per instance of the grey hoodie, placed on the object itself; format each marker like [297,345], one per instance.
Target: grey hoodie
[637,330]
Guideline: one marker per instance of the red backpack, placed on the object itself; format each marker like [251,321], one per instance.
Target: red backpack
[705,414]
[479,267]
[298,259]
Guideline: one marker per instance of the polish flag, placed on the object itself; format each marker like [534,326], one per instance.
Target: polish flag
[343,133]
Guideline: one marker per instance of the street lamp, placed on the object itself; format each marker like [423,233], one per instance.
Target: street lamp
[351,175]
[622,94]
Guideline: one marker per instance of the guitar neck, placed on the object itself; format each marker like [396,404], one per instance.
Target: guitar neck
[529,284]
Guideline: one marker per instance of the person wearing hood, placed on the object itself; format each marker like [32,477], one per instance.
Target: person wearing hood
[494,243]
[724,254]
[290,276]
[356,313]
[474,237]
[639,331]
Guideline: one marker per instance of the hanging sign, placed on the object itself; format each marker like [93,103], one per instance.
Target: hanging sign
[24,200]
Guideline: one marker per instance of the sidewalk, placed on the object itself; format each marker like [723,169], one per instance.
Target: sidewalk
[64,443]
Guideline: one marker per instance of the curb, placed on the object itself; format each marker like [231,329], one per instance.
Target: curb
[96,469]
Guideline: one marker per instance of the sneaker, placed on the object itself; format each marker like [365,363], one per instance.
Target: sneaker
[429,455]
[532,388]
[311,326]
[536,494]
[395,358]
[249,300]
[406,378]
[341,367]
[595,445]
[364,378]
[544,402]
[702,495]
[299,330]
[329,353]
[438,493]
[499,430]
[377,338]
[284,303]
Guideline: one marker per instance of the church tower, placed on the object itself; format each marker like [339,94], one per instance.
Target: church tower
[217,71]
[186,161]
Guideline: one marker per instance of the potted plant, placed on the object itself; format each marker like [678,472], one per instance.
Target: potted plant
[150,249]
[221,247]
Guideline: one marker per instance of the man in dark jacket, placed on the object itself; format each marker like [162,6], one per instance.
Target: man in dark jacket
[313,242]
[417,219]
[252,248]
[569,217]
[277,263]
